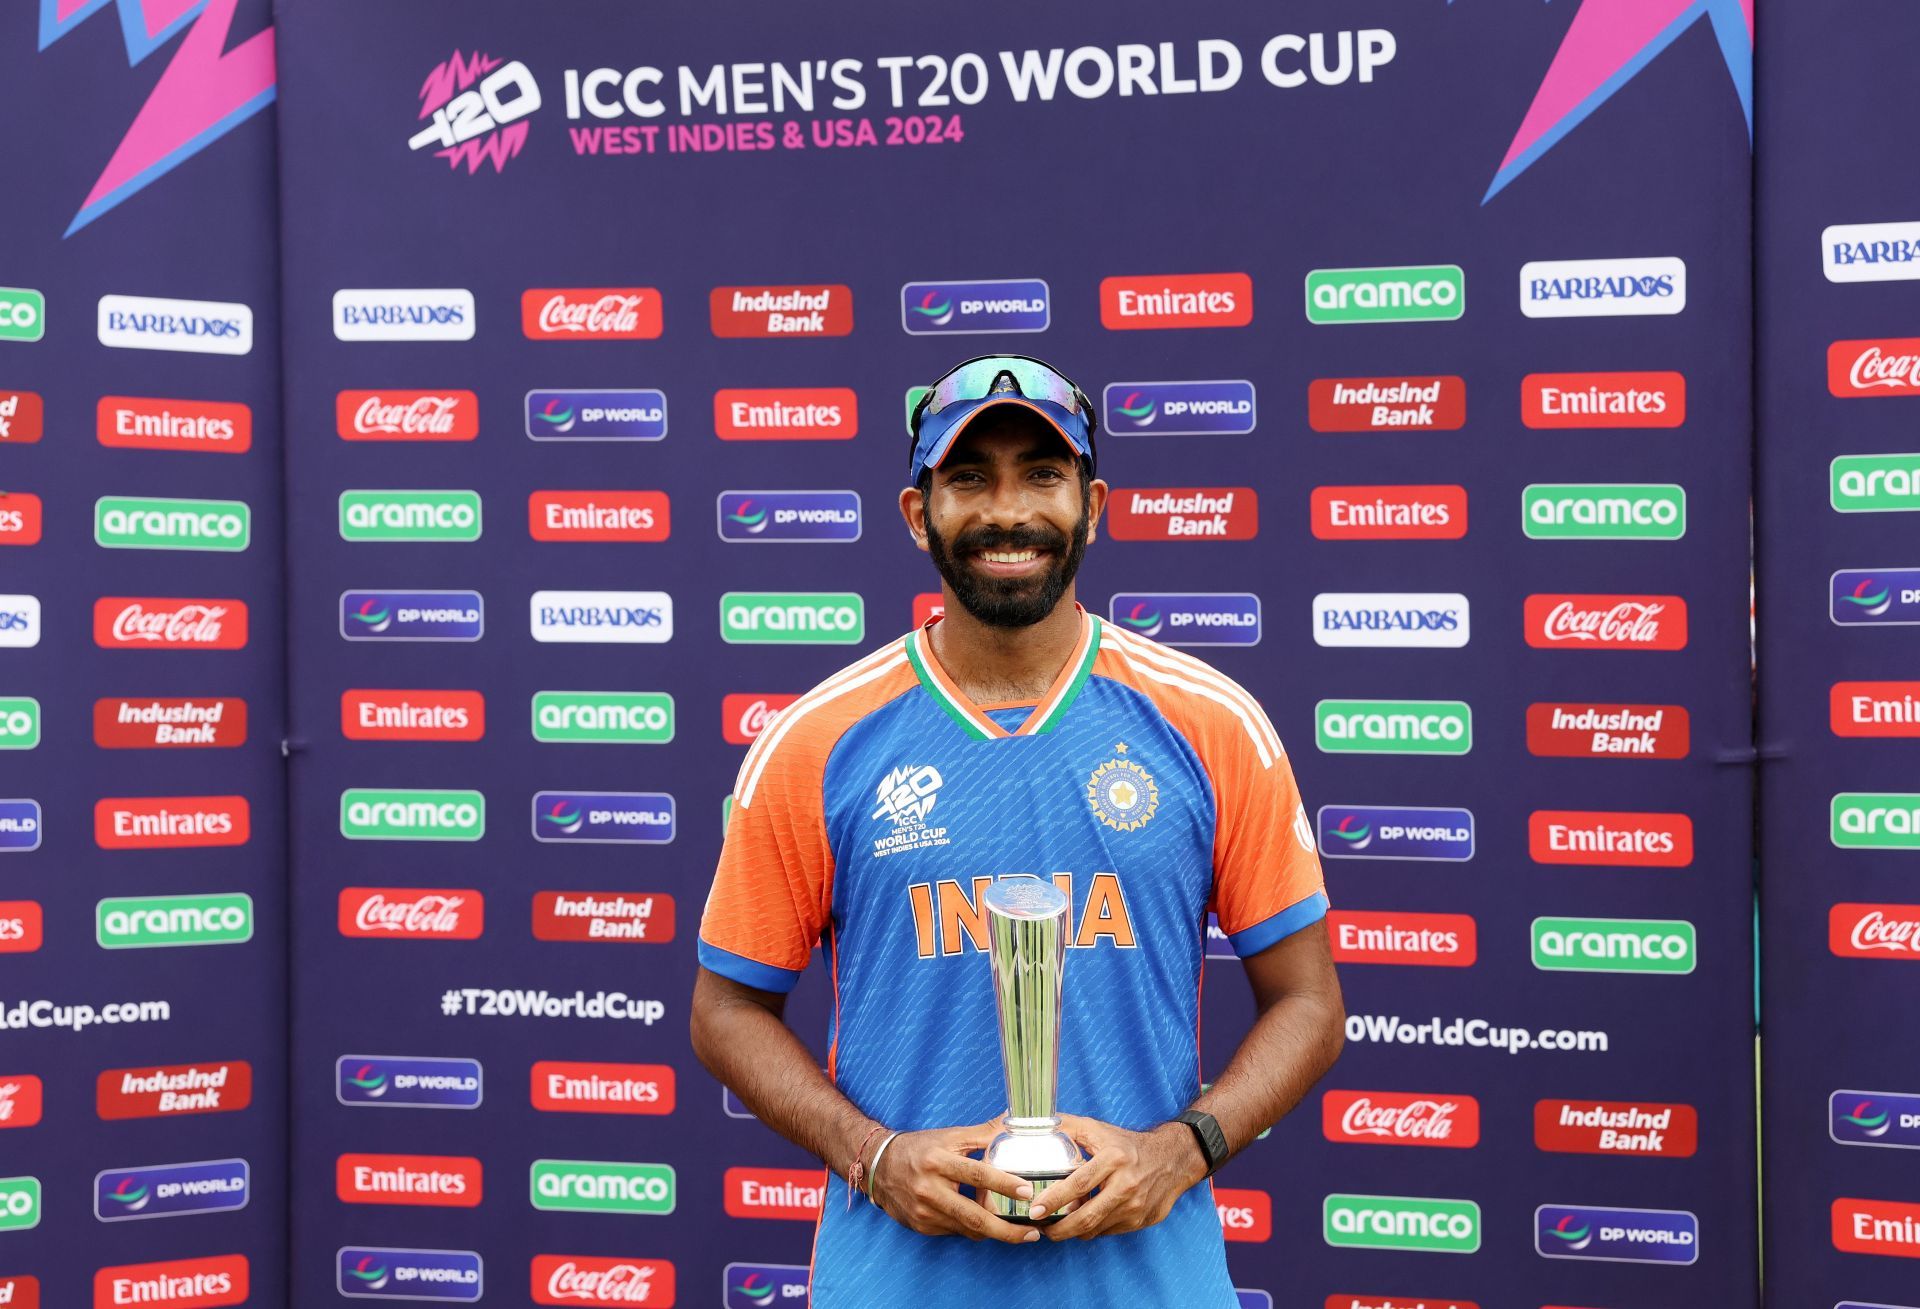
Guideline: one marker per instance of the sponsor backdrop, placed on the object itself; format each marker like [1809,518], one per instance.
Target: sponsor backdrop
[1839,569]
[1420,337]
[142,918]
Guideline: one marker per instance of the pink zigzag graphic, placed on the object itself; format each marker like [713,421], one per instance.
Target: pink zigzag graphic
[456,74]
[204,93]
[495,148]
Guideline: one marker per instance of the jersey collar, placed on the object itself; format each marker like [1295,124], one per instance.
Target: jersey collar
[1045,716]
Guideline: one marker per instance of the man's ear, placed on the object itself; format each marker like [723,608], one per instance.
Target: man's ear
[1096,504]
[913,508]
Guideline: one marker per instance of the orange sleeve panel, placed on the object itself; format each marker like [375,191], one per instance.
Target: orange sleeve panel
[772,893]
[1267,882]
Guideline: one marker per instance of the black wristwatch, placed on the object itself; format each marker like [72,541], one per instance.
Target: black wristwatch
[1206,1131]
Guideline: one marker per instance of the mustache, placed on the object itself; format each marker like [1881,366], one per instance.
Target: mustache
[1014,538]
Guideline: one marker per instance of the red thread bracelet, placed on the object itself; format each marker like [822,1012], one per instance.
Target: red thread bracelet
[859,1169]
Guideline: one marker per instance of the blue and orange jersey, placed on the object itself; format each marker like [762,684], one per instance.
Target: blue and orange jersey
[872,813]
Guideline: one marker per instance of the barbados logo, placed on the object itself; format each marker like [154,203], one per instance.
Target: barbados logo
[1124,795]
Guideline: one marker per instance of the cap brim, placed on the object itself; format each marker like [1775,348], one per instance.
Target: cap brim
[967,411]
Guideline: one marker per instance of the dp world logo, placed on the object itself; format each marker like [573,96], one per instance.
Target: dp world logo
[169,1190]
[1178,408]
[623,817]
[389,1082]
[1883,1118]
[411,616]
[1379,832]
[1634,1236]
[377,1272]
[762,516]
[754,1286]
[1875,597]
[1188,618]
[960,308]
[631,415]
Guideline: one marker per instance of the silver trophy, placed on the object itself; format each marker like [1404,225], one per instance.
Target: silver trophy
[1027,952]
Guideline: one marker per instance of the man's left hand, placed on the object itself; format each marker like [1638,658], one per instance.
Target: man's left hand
[1139,1175]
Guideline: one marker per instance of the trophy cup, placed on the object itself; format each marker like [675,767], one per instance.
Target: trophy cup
[1026,951]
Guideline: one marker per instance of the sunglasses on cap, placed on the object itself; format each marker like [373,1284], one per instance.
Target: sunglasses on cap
[967,387]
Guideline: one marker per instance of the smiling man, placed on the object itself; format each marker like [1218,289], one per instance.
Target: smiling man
[1016,734]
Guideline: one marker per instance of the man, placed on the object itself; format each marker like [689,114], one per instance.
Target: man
[1017,733]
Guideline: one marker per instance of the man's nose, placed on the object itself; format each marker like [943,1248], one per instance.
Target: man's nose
[1008,504]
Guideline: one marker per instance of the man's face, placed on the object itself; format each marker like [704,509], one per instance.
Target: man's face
[1005,520]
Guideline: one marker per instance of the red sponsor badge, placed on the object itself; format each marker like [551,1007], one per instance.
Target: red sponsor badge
[1887,366]
[588,1279]
[1555,400]
[1581,730]
[781,311]
[406,415]
[173,1284]
[1433,940]
[367,715]
[412,913]
[22,417]
[1389,513]
[1387,404]
[1877,1227]
[1875,708]
[416,1179]
[136,422]
[21,926]
[20,518]
[591,313]
[1875,931]
[1626,840]
[1606,622]
[1401,1118]
[20,1292]
[176,722]
[168,822]
[1176,300]
[744,715]
[559,1087]
[21,1098]
[928,605]
[1183,513]
[794,1193]
[171,1090]
[598,516]
[1634,1129]
[1245,1215]
[791,413]
[617,916]
[1398,1302]
[146,622]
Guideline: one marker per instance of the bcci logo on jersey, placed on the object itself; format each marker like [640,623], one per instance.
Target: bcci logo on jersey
[906,796]
[1124,795]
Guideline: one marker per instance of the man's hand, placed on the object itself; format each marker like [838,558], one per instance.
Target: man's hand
[919,1178]
[1138,1174]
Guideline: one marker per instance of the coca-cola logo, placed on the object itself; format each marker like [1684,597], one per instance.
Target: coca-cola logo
[618,1284]
[1606,622]
[599,1280]
[1401,1118]
[609,312]
[427,415]
[1889,366]
[744,716]
[1875,931]
[1875,367]
[444,914]
[140,621]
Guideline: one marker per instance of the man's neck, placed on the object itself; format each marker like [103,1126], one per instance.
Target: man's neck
[995,664]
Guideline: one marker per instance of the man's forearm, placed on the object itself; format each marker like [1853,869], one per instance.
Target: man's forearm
[752,1050]
[1289,1047]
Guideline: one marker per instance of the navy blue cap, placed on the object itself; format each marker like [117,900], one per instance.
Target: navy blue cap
[939,432]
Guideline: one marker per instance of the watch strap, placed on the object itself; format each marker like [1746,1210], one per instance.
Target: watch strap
[1207,1133]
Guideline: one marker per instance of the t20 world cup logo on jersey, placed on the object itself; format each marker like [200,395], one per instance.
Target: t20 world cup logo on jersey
[905,796]
[476,107]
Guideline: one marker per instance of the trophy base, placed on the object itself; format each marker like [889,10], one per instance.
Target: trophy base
[1041,1156]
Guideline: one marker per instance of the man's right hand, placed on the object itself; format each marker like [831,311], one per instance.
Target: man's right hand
[919,1179]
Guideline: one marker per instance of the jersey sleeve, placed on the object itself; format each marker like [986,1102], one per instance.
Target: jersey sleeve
[1267,883]
[772,891]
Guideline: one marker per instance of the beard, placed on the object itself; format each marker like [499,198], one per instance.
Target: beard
[1009,601]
